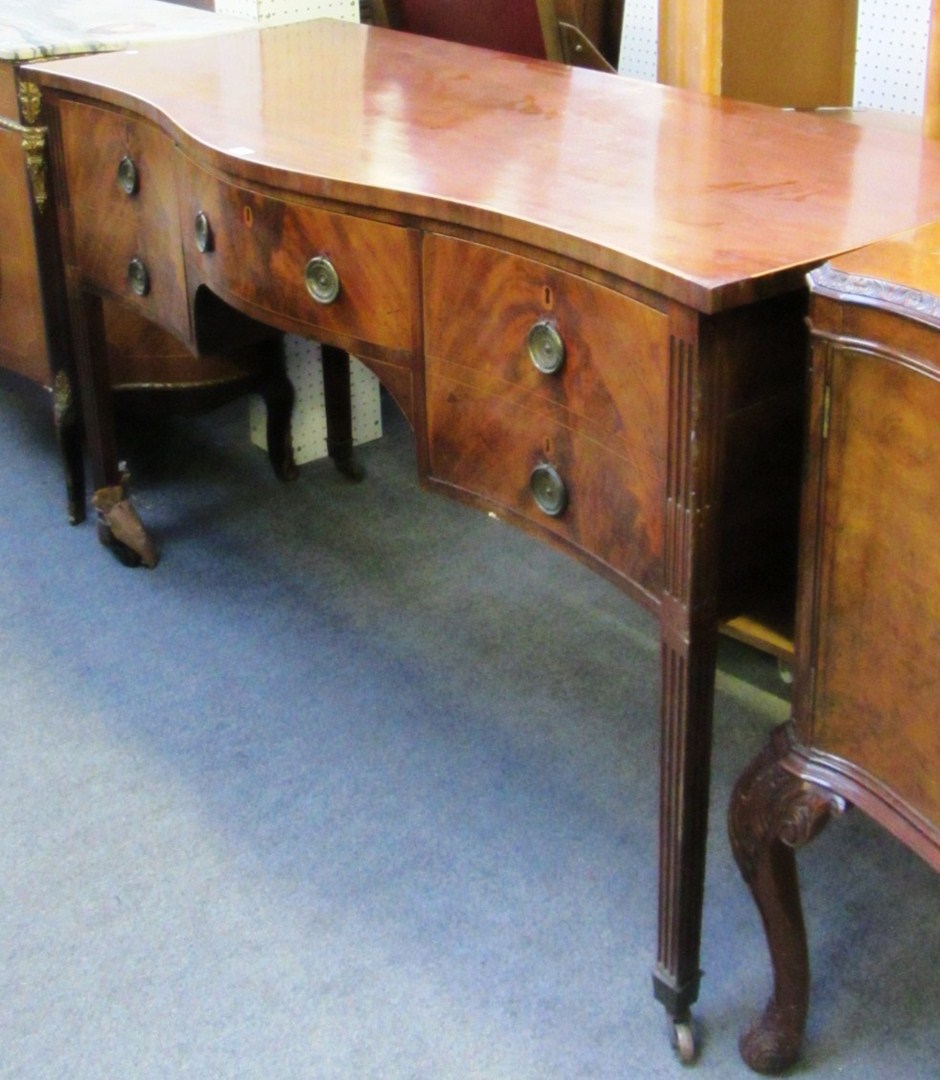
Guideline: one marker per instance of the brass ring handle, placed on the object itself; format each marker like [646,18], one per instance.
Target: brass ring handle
[203,230]
[322,280]
[138,277]
[127,176]
[549,490]
[546,347]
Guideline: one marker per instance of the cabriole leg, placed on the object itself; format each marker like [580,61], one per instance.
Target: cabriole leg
[773,812]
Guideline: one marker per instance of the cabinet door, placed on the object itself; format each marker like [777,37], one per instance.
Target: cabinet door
[877,685]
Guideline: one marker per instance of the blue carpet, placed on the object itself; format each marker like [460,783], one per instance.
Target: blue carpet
[359,783]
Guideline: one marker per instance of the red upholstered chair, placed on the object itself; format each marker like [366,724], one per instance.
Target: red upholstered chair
[525,27]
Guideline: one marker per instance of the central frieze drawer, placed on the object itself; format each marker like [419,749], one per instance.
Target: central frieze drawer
[547,398]
[348,279]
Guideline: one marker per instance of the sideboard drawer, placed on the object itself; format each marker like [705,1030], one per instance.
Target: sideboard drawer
[125,220]
[614,350]
[254,250]
[563,427]
[599,497]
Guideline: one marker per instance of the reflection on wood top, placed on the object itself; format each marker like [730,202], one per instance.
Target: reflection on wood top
[708,201]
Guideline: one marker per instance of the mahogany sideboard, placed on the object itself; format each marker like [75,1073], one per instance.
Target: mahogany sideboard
[866,722]
[586,293]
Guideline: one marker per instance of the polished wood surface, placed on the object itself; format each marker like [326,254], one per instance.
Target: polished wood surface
[462,197]
[865,729]
[711,203]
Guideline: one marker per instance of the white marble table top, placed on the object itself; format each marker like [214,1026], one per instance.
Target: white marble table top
[30,29]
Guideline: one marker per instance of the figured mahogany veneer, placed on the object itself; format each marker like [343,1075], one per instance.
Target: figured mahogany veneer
[262,243]
[866,722]
[463,196]
[493,416]
[111,227]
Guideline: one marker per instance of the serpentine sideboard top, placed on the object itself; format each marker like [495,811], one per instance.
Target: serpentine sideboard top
[711,202]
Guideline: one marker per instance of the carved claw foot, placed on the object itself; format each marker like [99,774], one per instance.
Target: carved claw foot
[772,813]
[121,530]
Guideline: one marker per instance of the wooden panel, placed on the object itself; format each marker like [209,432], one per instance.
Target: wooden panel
[9,106]
[22,332]
[487,446]
[600,421]
[261,246]
[878,682]
[615,368]
[690,44]
[798,54]
[143,225]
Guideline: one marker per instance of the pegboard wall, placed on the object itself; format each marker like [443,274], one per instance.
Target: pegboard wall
[273,12]
[891,52]
[309,420]
[639,41]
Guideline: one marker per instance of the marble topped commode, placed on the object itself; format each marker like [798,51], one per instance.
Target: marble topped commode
[34,341]
[29,31]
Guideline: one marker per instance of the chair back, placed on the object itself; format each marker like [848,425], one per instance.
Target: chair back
[524,27]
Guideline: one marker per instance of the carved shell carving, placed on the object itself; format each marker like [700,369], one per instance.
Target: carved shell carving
[875,291]
[770,803]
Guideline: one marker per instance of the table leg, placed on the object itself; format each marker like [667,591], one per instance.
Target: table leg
[338,398]
[688,670]
[119,527]
[688,649]
[277,392]
[772,812]
[68,429]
